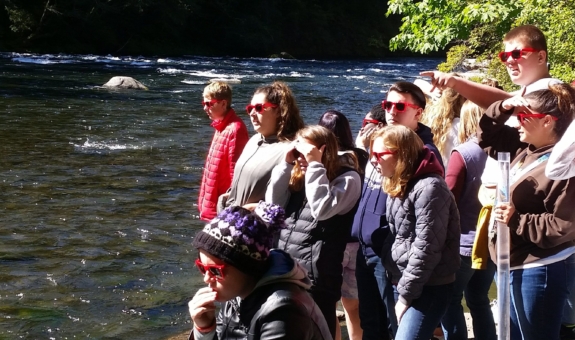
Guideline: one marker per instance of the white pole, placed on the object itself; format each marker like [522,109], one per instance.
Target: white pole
[503,284]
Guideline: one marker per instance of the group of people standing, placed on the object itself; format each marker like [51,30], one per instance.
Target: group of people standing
[415,212]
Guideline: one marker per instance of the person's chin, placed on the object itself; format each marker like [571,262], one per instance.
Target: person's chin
[515,76]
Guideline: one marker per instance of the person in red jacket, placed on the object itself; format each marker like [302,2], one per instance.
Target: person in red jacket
[227,144]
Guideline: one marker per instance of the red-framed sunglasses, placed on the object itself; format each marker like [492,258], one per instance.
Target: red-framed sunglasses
[369,121]
[210,103]
[524,115]
[399,106]
[379,155]
[515,54]
[215,270]
[259,107]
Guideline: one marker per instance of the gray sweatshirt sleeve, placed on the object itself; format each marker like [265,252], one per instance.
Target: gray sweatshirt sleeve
[278,190]
[329,199]
[561,163]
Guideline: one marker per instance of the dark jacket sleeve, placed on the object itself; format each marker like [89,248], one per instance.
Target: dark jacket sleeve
[285,320]
[553,227]
[494,136]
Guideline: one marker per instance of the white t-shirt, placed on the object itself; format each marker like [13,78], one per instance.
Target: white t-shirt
[541,84]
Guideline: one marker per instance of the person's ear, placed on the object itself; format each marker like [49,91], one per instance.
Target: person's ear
[548,121]
[418,114]
[542,57]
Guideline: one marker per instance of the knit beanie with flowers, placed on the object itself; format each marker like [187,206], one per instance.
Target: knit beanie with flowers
[241,237]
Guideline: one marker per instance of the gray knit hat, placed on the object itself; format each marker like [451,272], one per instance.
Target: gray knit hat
[241,237]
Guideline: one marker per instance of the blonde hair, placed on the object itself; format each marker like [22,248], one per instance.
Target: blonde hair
[439,117]
[290,120]
[470,115]
[318,136]
[408,148]
[219,90]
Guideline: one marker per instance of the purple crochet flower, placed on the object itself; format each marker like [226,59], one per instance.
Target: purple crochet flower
[272,214]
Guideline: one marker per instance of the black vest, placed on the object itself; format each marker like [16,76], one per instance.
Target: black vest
[317,245]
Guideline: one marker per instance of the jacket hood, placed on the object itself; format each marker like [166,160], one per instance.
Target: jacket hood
[428,163]
[283,268]
[424,132]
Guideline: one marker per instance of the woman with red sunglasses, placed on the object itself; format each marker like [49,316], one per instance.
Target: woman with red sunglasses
[263,289]
[540,214]
[421,252]
[320,191]
[275,117]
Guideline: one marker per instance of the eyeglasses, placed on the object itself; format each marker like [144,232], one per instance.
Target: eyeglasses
[399,106]
[211,103]
[259,107]
[524,115]
[370,121]
[215,270]
[515,54]
[379,155]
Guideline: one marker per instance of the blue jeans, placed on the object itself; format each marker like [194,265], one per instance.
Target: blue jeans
[538,296]
[424,313]
[475,284]
[376,300]
[569,310]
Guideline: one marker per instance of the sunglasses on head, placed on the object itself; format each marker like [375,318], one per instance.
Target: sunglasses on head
[399,106]
[211,103]
[369,121]
[515,54]
[215,270]
[259,107]
[524,115]
[379,155]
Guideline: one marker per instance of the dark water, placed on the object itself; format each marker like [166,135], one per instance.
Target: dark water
[98,187]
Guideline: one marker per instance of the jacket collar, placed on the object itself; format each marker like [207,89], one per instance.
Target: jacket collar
[220,125]
[268,140]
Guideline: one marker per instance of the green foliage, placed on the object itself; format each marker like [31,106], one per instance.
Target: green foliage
[303,28]
[430,25]
[22,21]
[455,58]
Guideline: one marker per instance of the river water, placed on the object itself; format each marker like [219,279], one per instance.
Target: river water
[98,188]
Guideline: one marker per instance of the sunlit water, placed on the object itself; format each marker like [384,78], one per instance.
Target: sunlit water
[98,188]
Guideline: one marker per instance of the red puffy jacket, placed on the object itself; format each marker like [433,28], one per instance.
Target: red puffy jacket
[227,145]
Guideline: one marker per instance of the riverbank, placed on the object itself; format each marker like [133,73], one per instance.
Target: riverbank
[470,335]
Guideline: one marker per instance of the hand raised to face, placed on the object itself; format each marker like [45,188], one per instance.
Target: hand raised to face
[202,307]
[310,152]
[516,102]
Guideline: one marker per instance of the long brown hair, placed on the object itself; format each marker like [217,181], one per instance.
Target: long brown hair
[407,147]
[318,136]
[289,121]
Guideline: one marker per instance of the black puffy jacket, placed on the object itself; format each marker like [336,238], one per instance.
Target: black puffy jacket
[278,308]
